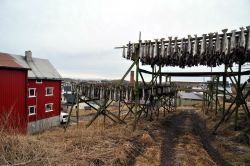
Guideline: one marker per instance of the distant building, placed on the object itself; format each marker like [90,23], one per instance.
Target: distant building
[42,94]
[189,98]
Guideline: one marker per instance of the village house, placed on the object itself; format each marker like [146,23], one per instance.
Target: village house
[34,98]
[13,94]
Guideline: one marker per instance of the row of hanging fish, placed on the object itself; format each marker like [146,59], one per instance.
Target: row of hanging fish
[123,93]
[211,49]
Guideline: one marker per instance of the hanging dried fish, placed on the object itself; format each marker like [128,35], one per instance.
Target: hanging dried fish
[242,44]
[203,58]
[146,52]
[155,56]
[195,51]
[189,55]
[151,52]
[233,42]
[224,47]
[100,94]
[242,38]
[129,51]
[143,55]
[189,50]
[159,91]
[143,94]
[116,94]
[217,50]
[162,52]
[133,57]
[127,94]
[93,92]
[212,50]
[175,56]
[182,54]
[140,51]
[112,94]
[232,51]
[169,47]
[89,92]
[248,45]
[131,94]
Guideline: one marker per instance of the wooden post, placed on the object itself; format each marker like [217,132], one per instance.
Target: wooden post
[238,98]
[136,87]
[77,104]
[160,78]
[119,106]
[212,94]
[216,95]
[224,90]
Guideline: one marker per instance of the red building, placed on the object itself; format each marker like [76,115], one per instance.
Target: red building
[13,92]
[42,99]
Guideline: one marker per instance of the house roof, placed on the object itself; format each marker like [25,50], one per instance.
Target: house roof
[189,95]
[7,61]
[40,68]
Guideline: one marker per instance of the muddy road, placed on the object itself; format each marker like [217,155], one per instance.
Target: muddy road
[187,142]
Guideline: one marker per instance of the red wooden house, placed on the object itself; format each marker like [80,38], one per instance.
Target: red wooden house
[13,90]
[43,93]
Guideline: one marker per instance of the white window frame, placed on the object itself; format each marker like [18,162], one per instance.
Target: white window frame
[32,106]
[39,82]
[49,88]
[34,92]
[46,107]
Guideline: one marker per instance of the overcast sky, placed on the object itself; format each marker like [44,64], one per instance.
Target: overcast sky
[79,36]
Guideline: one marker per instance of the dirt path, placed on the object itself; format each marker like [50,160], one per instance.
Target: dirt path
[187,142]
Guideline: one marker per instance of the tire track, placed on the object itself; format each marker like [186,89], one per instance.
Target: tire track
[184,131]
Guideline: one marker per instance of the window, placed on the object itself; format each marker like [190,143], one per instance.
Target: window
[39,81]
[49,91]
[32,110]
[32,92]
[49,107]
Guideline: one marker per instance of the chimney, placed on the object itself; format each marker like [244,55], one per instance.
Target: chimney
[28,56]
[132,80]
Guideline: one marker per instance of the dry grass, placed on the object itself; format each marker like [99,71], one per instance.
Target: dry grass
[190,151]
[116,145]
[22,150]
[234,152]
[113,145]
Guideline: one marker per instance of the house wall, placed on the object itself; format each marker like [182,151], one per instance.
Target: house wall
[43,124]
[13,90]
[41,99]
